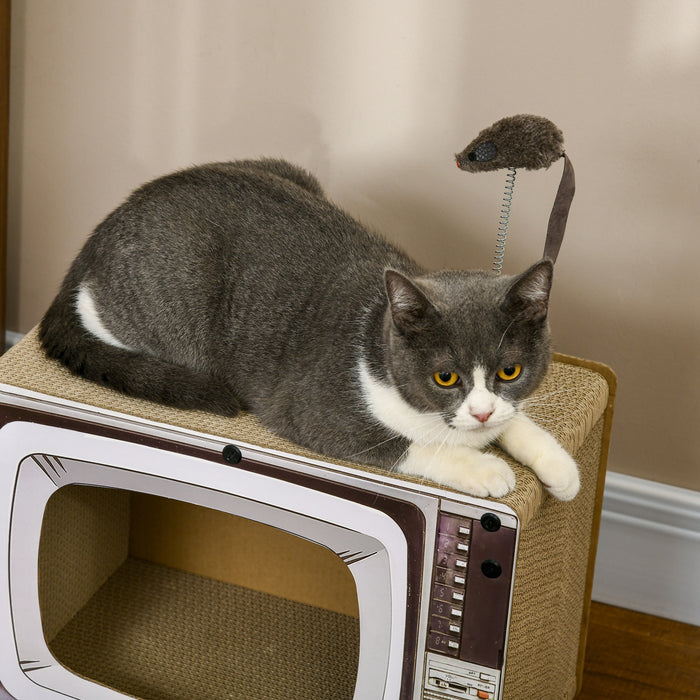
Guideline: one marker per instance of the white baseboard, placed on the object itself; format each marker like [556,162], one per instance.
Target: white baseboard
[649,549]
[11,338]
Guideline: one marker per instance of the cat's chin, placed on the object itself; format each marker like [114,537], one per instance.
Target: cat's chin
[492,427]
[479,428]
[477,436]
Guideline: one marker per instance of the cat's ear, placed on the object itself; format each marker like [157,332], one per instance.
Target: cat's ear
[411,310]
[528,295]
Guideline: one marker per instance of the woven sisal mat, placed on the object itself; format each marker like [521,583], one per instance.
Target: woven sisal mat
[569,403]
[161,634]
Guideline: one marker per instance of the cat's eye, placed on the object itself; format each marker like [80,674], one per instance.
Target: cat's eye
[507,374]
[446,378]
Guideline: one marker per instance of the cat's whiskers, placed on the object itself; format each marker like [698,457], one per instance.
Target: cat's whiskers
[545,395]
[395,465]
[551,426]
[540,409]
[546,399]
[436,431]
[442,436]
[437,451]
[432,424]
[426,420]
[430,438]
[540,414]
[544,403]
[500,342]
[372,447]
[212,222]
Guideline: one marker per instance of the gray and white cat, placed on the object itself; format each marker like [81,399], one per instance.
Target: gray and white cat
[241,286]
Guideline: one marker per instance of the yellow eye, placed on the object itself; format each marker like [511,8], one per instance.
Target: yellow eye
[446,378]
[507,374]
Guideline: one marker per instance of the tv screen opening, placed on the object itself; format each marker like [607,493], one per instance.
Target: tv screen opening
[141,572]
[143,563]
[175,600]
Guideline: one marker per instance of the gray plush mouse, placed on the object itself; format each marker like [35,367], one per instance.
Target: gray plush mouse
[522,141]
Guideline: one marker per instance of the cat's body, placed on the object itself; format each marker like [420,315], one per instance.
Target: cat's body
[240,286]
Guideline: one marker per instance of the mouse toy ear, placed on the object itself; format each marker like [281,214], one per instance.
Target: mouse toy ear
[522,141]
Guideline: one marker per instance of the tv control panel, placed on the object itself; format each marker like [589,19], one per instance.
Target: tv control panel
[469,607]
[445,680]
[449,584]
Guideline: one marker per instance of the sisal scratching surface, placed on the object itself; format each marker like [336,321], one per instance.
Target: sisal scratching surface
[549,590]
[84,538]
[161,634]
[569,402]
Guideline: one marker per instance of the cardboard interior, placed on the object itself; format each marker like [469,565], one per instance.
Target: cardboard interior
[161,599]
[239,551]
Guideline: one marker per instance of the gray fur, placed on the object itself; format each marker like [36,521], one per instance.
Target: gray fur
[241,286]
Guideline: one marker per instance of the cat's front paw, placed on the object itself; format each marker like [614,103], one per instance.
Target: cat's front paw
[559,473]
[463,469]
[537,449]
[489,476]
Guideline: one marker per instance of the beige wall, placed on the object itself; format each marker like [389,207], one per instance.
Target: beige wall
[375,96]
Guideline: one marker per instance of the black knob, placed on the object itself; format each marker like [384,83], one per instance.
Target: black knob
[491,568]
[231,454]
[490,522]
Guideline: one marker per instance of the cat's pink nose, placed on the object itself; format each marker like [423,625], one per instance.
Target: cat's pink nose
[482,417]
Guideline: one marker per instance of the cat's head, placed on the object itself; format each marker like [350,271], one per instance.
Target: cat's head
[468,346]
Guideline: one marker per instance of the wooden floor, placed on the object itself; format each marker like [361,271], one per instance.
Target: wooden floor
[640,657]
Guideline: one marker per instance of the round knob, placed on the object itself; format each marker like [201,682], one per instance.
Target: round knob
[231,454]
[490,522]
[491,568]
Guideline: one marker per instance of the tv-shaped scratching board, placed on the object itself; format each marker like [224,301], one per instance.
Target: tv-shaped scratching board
[160,554]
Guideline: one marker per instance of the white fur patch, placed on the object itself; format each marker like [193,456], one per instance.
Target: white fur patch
[481,401]
[462,468]
[426,428]
[449,454]
[391,409]
[87,312]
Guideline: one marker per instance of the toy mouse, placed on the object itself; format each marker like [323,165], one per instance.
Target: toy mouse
[522,141]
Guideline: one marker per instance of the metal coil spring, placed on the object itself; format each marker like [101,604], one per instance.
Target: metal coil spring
[503,222]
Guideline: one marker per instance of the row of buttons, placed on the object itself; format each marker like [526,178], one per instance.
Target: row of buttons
[427,695]
[468,692]
[449,582]
[472,694]
[467,683]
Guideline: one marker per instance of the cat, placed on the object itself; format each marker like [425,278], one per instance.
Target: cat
[240,286]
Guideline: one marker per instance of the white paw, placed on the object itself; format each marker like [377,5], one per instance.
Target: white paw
[462,468]
[559,474]
[537,449]
[487,476]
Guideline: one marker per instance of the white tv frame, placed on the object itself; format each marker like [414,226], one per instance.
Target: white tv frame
[379,568]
